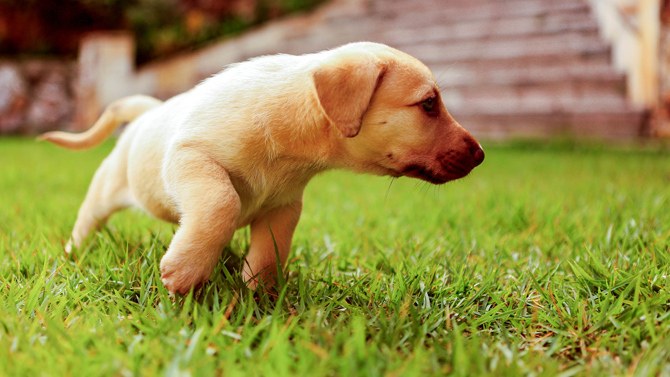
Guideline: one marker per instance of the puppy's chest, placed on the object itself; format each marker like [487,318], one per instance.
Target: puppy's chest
[270,185]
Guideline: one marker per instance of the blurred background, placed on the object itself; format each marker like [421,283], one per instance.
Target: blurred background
[595,69]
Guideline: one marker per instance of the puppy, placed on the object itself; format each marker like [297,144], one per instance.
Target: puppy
[239,149]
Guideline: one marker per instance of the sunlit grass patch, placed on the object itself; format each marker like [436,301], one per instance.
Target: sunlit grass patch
[546,260]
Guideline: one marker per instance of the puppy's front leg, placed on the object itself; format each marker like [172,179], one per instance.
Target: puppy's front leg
[209,207]
[261,265]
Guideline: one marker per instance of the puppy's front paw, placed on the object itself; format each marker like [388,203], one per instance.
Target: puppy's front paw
[182,275]
[68,247]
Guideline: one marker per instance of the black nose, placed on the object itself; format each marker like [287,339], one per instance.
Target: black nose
[477,154]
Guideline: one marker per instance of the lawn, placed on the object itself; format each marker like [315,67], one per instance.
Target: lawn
[548,260]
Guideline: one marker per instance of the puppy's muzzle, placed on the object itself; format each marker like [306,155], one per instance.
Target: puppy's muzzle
[462,160]
[477,154]
[471,155]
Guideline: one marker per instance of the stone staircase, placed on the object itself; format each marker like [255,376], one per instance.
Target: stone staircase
[506,67]
[516,68]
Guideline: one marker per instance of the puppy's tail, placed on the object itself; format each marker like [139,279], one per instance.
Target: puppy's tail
[119,112]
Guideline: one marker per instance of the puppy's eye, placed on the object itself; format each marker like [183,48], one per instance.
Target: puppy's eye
[428,105]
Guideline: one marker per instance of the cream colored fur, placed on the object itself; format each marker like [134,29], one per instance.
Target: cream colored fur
[240,148]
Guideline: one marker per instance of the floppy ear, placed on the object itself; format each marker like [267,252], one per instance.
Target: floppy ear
[345,86]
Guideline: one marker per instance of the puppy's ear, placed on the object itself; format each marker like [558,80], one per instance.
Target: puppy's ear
[345,86]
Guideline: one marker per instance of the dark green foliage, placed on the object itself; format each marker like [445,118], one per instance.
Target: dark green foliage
[161,27]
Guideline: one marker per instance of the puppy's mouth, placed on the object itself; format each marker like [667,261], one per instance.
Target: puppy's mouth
[444,174]
[441,176]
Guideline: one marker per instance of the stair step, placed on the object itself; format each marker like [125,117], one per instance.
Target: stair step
[612,126]
[414,13]
[576,97]
[482,28]
[466,6]
[506,48]
[525,71]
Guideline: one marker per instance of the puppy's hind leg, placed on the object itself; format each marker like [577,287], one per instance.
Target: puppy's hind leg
[108,193]
[271,235]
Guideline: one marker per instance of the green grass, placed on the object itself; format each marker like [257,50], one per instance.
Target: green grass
[547,260]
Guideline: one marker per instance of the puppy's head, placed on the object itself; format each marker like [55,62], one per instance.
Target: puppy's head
[390,116]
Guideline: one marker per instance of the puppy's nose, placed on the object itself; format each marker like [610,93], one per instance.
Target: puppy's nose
[477,153]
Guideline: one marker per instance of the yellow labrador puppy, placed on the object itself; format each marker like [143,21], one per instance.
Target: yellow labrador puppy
[240,148]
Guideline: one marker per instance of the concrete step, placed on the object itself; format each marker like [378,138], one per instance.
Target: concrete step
[574,97]
[409,13]
[465,6]
[569,43]
[610,126]
[519,71]
[557,22]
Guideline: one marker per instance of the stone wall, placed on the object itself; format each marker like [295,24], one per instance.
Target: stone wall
[36,95]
